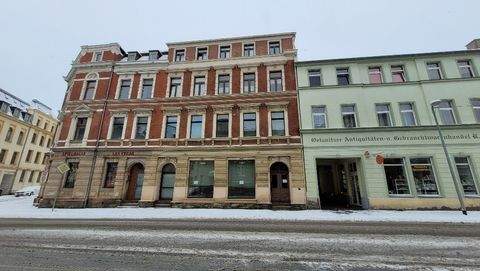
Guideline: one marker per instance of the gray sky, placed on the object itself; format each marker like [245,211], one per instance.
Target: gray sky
[39,39]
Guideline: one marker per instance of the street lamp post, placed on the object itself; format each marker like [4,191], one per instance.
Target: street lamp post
[435,104]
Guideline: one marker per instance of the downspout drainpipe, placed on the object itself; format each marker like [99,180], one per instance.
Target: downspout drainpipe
[97,143]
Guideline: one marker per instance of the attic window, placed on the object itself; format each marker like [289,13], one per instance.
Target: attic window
[132,56]
[97,57]
[153,55]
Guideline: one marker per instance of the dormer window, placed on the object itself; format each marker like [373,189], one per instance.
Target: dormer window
[132,56]
[97,57]
[153,55]
[180,55]
[202,53]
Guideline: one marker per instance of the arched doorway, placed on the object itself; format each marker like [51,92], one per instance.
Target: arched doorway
[167,182]
[279,184]
[135,183]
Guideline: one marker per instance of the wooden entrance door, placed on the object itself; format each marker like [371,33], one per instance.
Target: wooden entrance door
[135,183]
[279,184]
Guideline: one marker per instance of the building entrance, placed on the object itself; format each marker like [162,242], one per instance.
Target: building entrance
[338,183]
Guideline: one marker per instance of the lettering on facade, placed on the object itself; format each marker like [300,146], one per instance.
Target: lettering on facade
[74,153]
[123,153]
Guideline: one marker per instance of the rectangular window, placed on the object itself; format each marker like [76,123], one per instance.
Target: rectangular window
[241,179]
[141,129]
[110,175]
[424,177]
[29,156]
[201,53]
[13,160]
[314,78]
[224,84]
[396,178]
[383,115]
[34,138]
[174,86]
[171,127]
[196,126]
[71,175]
[39,177]
[3,154]
[117,127]
[349,116]
[80,129]
[200,181]
[153,55]
[248,82]
[274,48]
[375,75]
[22,176]
[408,114]
[89,90]
[434,71]
[465,68]
[37,158]
[319,116]
[199,86]
[278,123]
[30,178]
[398,74]
[466,176]
[276,81]
[98,56]
[147,87]
[343,77]
[180,55]
[447,113]
[224,52]
[222,125]
[476,108]
[249,124]
[249,49]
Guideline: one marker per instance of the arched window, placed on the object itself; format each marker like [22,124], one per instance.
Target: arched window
[20,139]
[9,136]
[167,182]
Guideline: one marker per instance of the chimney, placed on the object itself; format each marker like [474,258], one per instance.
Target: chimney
[474,44]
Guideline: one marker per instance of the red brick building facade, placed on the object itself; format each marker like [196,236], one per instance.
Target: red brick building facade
[210,122]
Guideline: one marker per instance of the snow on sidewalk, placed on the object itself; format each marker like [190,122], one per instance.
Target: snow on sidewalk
[11,207]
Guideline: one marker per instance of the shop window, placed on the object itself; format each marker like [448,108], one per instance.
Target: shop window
[249,124]
[396,178]
[200,182]
[434,71]
[349,116]
[278,123]
[222,125]
[196,126]
[241,179]
[117,127]
[171,127]
[110,175]
[466,176]
[408,114]
[425,182]
[71,175]
[314,78]
[383,115]
[319,116]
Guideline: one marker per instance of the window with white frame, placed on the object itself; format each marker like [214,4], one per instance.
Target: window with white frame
[447,112]
[80,129]
[319,116]
[314,78]
[425,181]
[434,71]
[202,53]
[465,174]
[222,125]
[398,74]
[124,91]
[199,86]
[396,177]
[249,124]
[147,88]
[98,57]
[343,76]
[349,116]
[277,119]
[465,68]
[241,179]
[407,111]
[117,127]
[375,75]
[179,55]
[249,49]
[275,81]
[476,108]
[175,83]
[223,84]
[171,127]
[225,51]
[274,48]
[249,82]
[383,115]
[89,90]
[196,126]
[141,127]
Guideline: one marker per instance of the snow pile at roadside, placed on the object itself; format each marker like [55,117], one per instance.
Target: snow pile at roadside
[11,207]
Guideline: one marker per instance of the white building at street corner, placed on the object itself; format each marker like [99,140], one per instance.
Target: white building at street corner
[357,113]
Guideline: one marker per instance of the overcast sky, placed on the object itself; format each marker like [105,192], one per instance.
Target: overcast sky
[39,39]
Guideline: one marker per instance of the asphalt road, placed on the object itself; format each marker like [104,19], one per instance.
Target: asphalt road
[235,245]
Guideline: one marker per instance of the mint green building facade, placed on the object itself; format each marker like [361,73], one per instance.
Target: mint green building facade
[369,133]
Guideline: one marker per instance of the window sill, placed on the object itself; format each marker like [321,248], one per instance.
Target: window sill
[401,196]
[472,196]
[429,196]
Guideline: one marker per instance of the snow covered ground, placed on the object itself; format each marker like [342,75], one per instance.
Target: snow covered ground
[11,207]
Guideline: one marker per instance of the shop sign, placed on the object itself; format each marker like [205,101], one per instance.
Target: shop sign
[123,153]
[74,153]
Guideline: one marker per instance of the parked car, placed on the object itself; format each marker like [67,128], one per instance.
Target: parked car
[27,191]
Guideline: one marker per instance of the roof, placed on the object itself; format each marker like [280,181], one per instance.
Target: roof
[233,38]
[13,100]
